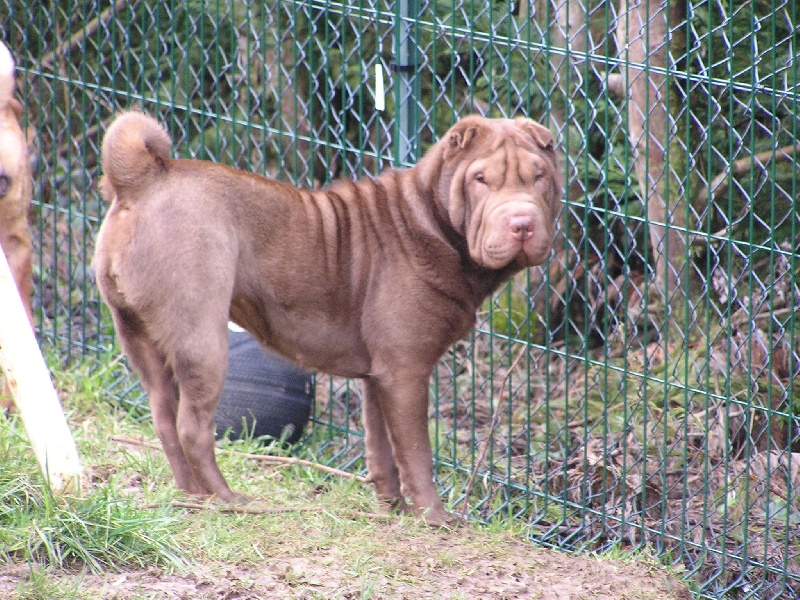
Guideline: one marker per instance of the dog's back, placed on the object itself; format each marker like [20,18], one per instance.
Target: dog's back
[16,185]
[14,165]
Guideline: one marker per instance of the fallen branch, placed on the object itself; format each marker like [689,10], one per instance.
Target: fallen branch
[485,446]
[242,509]
[132,442]
[85,134]
[87,30]
[371,515]
[285,460]
[720,183]
[291,460]
[742,316]
[234,508]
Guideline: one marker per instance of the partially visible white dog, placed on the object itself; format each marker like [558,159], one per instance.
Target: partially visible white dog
[15,190]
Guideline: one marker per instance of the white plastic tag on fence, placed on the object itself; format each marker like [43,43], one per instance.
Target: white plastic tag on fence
[380,95]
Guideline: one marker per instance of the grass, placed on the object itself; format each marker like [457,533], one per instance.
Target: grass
[126,519]
[103,527]
[39,586]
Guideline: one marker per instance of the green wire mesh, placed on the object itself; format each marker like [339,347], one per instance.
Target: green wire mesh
[639,391]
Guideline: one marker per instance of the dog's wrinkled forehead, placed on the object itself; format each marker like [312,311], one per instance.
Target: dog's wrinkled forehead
[521,132]
[494,133]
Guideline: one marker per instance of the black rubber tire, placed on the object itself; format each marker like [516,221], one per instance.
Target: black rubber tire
[264,393]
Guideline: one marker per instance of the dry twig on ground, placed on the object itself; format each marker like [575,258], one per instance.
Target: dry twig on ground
[286,460]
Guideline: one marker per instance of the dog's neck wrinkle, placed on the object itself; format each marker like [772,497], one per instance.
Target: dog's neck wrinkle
[474,280]
[427,228]
[385,196]
[442,219]
[479,281]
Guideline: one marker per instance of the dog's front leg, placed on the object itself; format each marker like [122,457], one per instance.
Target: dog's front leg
[381,467]
[402,396]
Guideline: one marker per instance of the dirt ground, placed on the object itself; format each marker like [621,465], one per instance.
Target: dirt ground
[453,565]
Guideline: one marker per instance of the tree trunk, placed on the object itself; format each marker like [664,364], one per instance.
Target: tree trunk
[567,21]
[277,63]
[645,31]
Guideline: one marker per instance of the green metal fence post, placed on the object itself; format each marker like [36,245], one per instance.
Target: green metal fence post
[405,67]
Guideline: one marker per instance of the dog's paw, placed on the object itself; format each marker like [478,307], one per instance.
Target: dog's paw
[239,499]
[395,505]
[230,497]
[440,518]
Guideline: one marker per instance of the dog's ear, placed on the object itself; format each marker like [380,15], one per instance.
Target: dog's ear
[16,107]
[540,134]
[106,189]
[460,136]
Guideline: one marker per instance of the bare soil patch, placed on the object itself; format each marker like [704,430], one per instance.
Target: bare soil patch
[456,564]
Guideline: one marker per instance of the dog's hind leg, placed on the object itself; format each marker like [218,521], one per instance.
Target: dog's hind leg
[200,363]
[158,380]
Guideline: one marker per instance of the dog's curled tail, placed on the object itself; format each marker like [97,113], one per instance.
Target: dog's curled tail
[134,149]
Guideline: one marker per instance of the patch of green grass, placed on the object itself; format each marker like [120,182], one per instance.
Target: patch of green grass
[124,519]
[508,313]
[104,528]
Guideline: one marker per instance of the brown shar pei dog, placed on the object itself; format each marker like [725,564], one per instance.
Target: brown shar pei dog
[372,279]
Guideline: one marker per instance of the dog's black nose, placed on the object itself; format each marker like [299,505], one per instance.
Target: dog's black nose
[5,183]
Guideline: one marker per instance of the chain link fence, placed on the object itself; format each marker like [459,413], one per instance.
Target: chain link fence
[640,390]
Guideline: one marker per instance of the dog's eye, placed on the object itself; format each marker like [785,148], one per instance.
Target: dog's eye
[479,178]
[5,183]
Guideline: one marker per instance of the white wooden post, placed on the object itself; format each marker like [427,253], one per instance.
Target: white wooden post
[33,391]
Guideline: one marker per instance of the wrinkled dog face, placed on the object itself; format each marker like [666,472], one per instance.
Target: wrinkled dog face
[504,191]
